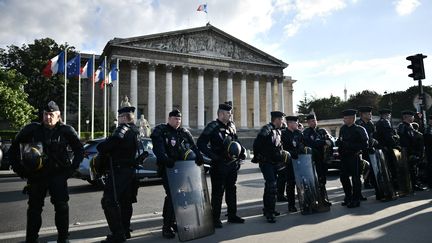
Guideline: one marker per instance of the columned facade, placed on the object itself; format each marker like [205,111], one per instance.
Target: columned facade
[179,70]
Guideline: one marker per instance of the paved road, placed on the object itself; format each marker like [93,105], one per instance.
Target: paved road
[394,221]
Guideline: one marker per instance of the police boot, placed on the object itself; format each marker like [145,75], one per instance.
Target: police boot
[168,232]
[325,196]
[112,215]
[292,208]
[353,204]
[117,238]
[62,221]
[235,219]
[270,217]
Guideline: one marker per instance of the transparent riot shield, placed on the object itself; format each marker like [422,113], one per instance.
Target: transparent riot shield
[382,175]
[307,185]
[403,178]
[190,199]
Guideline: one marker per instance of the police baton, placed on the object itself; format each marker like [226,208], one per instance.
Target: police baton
[113,179]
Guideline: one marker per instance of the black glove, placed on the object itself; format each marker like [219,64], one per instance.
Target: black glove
[371,150]
[72,172]
[339,143]
[169,163]
[242,156]
[199,161]
[294,155]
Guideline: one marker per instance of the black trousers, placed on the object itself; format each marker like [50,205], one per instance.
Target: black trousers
[168,209]
[286,183]
[350,168]
[223,178]
[117,204]
[56,185]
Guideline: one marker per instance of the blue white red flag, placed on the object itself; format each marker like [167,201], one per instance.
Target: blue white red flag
[202,7]
[86,71]
[54,66]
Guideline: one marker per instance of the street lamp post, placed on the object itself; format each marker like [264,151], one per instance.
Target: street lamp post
[87,124]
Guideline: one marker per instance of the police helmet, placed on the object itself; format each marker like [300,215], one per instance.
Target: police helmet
[32,159]
[234,149]
[189,155]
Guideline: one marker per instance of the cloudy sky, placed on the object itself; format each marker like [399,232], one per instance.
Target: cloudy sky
[328,44]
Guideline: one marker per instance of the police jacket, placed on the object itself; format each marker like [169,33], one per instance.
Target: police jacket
[170,144]
[122,145]
[352,139]
[385,134]
[293,142]
[428,139]
[315,138]
[370,130]
[54,141]
[214,135]
[267,145]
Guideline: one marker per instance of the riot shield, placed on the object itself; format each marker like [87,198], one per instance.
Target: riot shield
[307,185]
[403,178]
[190,199]
[382,175]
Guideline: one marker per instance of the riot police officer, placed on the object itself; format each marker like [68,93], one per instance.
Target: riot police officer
[268,153]
[120,189]
[169,142]
[428,149]
[387,140]
[365,120]
[320,141]
[292,141]
[408,140]
[223,172]
[352,140]
[39,153]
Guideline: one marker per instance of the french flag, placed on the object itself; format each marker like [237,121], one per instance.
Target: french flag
[54,66]
[86,72]
[202,7]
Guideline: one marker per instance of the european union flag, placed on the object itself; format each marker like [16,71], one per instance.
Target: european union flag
[74,66]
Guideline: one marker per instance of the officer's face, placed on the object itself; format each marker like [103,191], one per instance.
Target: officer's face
[174,121]
[408,118]
[224,116]
[292,125]
[386,116]
[277,122]
[349,120]
[366,116]
[312,123]
[50,119]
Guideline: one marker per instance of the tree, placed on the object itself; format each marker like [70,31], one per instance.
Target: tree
[402,100]
[29,60]
[304,106]
[363,98]
[13,99]
[327,108]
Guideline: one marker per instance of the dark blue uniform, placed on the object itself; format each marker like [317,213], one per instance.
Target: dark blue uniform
[428,149]
[169,145]
[223,173]
[51,177]
[352,140]
[122,148]
[387,140]
[267,152]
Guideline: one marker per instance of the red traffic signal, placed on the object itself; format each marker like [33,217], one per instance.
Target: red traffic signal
[416,66]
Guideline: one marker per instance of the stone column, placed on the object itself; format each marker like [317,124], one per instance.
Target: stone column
[200,122]
[133,94]
[152,94]
[230,87]
[256,103]
[281,95]
[243,102]
[185,97]
[289,106]
[168,90]
[215,96]
[269,97]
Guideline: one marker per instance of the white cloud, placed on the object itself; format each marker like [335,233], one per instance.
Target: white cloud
[406,7]
[90,24]
[306,10]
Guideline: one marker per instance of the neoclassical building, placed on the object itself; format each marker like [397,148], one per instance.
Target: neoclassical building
[194,70]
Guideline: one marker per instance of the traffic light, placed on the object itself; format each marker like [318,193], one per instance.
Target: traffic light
[417,67]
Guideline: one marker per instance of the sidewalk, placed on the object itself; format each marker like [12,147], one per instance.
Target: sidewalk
[406,219]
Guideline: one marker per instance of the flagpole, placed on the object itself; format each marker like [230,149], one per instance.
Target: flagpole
[79,96]
[65,86]
[105,98]
[117,86]
[92,97]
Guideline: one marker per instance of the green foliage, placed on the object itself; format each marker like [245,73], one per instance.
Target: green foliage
[13,99]
[304,106]
[7,134]
[327,108]
[29,60]
[402,100]
[363,98]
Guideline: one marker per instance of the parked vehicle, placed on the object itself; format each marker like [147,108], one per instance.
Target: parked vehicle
[147,170]
[4,160]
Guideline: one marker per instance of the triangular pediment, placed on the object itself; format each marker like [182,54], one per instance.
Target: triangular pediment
[207,41]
